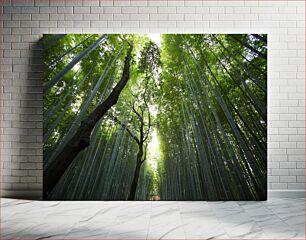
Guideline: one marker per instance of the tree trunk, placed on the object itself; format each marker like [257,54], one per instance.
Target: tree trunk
[68,51]
[260,54]
[81,139]
[73,62]
[136,173]
[263,39]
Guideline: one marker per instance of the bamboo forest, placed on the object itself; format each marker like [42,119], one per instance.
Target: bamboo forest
[155,117]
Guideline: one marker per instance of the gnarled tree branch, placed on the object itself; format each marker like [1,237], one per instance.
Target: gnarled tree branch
[81,139]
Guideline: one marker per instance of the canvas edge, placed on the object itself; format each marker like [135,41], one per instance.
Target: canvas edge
[22,194]
[37,194]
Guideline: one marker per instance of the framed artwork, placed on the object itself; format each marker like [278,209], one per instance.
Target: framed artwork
[155,117]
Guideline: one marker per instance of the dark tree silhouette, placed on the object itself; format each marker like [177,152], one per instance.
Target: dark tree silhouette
[81,139]
[144,131]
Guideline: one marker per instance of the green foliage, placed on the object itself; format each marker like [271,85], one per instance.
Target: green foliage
[204,95]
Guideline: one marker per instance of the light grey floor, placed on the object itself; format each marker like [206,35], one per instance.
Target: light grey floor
[273,219]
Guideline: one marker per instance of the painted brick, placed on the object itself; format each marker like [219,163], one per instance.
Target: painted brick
[21,16]
[8,9]
[300,179]
[176,3]
[129,10]
[29,10]
[73,3]
[148,24]
[159,17]
[40,16]
[105,17]
[74,16]
[273,179]
[47,23]
[189,17]
[157,3]
[90,3]
[279,186]
[147,9]
[81,10]
[217,10]
[48,10]
[57,17]
[91,16]
[98,24]
[112,9]
[287,179]
[221,24]
[81,24]
[21,31]
[166,10]
[96,10]
[296,186]
[130,24]
[139,17]
[185,9]
[177,17]
[138,3]
[195,3]
[287,165]
[65,24]
[29,24]
[61,10]
[25,21]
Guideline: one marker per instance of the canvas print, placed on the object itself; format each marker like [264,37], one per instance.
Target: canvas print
[155,117]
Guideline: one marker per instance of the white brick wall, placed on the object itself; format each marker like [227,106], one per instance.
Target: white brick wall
[24,22]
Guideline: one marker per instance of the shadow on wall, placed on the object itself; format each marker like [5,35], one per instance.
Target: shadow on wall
[28,158]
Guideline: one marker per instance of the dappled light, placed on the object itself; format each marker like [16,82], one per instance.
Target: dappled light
[155,117]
